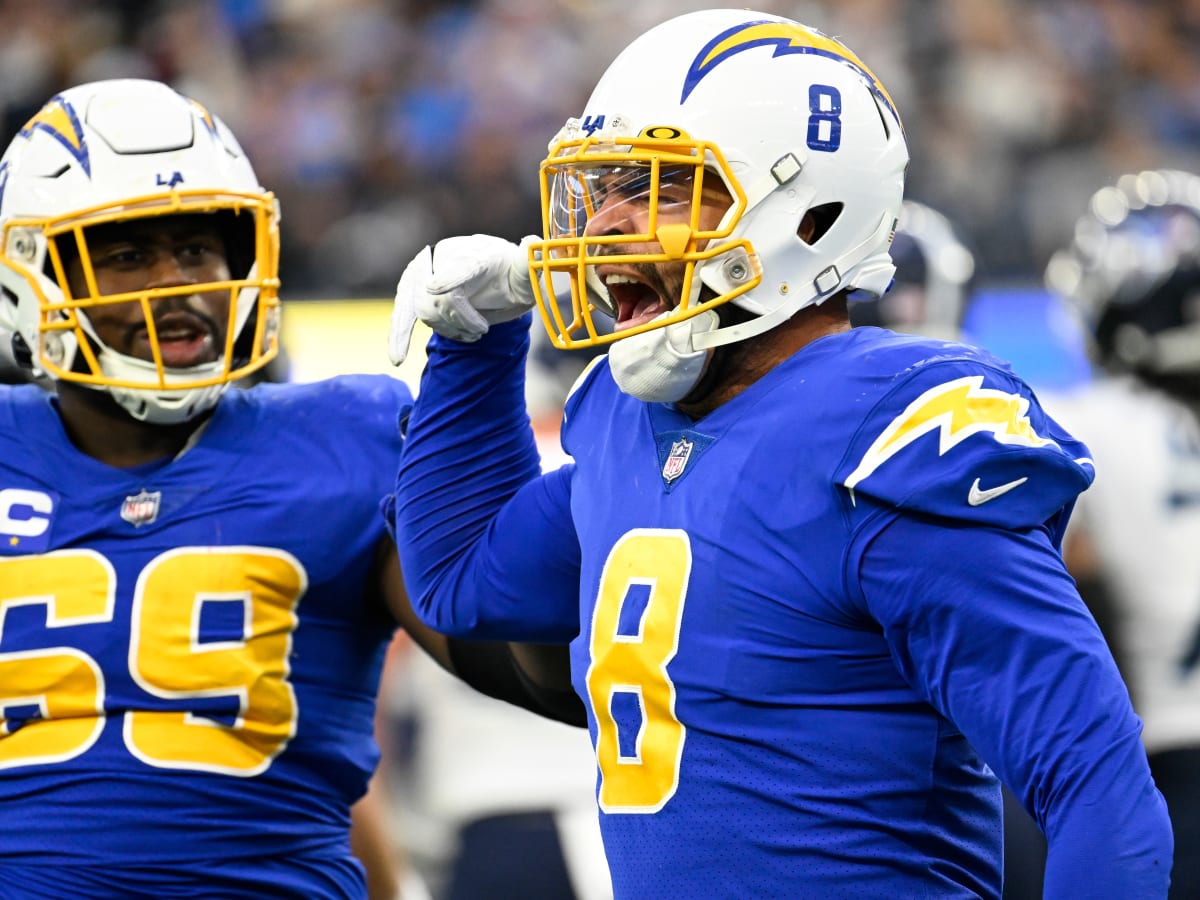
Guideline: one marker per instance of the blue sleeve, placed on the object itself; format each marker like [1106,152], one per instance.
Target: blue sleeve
[486,542]
[995,637]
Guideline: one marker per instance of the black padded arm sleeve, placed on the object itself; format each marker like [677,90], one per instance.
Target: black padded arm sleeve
[490,668]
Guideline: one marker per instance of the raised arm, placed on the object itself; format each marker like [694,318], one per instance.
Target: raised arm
[488,549]
[488,545]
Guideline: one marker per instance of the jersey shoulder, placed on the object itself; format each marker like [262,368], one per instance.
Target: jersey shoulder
[950,430]
[349,423]
[33,441]
[18,404]
[591,381]
[348,393]
[360,403]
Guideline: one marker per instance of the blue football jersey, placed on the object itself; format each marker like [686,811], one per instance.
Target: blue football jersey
[724,652]
[810,628]
[190,650]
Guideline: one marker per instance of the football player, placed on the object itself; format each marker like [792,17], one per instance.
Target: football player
[811,573]
[196,585]
[1132,270]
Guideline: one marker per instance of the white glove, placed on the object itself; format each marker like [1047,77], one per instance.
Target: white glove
[460,288]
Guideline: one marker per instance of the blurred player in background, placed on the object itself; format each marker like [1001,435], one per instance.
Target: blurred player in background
[196,584]
[1132,269]
[934,273]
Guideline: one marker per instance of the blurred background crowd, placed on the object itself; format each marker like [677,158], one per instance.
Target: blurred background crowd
[385,124]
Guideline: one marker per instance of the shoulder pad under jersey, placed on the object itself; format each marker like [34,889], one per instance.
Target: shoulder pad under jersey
[964,439]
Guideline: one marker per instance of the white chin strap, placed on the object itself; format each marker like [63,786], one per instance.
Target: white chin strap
[160,406]
[660,366]
[168,407]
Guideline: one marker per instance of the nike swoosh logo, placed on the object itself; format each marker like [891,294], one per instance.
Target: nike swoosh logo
[977,497]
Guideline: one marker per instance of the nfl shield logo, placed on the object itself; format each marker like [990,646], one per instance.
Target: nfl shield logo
[141,508]
[677,460]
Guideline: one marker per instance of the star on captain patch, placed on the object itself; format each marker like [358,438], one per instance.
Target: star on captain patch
[677,459]
[141,508]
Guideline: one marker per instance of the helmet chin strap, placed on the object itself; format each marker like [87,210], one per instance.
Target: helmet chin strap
[859,267]
[659,366]
[157,406]
[165,407]
[664,364]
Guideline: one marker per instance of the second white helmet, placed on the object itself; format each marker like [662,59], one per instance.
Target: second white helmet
[115,152]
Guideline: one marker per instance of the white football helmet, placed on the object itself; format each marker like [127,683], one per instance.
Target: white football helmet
[1132,269]
[787,118]
[115,151]
[934,272]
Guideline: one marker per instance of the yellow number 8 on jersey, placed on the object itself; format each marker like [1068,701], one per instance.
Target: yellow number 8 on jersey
[629,660]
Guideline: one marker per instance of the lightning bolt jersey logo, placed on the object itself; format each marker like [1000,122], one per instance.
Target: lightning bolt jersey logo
[957,410]
[787,38]
[58,119]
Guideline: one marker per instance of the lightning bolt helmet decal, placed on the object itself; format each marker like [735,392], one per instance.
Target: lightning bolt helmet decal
[58,119]
[206,117]
[787,38]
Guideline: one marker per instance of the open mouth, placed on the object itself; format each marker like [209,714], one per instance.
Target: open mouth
[636,301]
[184,340]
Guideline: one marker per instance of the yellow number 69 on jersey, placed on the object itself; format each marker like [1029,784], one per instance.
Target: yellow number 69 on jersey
[167,659]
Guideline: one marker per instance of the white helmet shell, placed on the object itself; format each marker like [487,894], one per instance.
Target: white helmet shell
[114,151]
[790,119]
